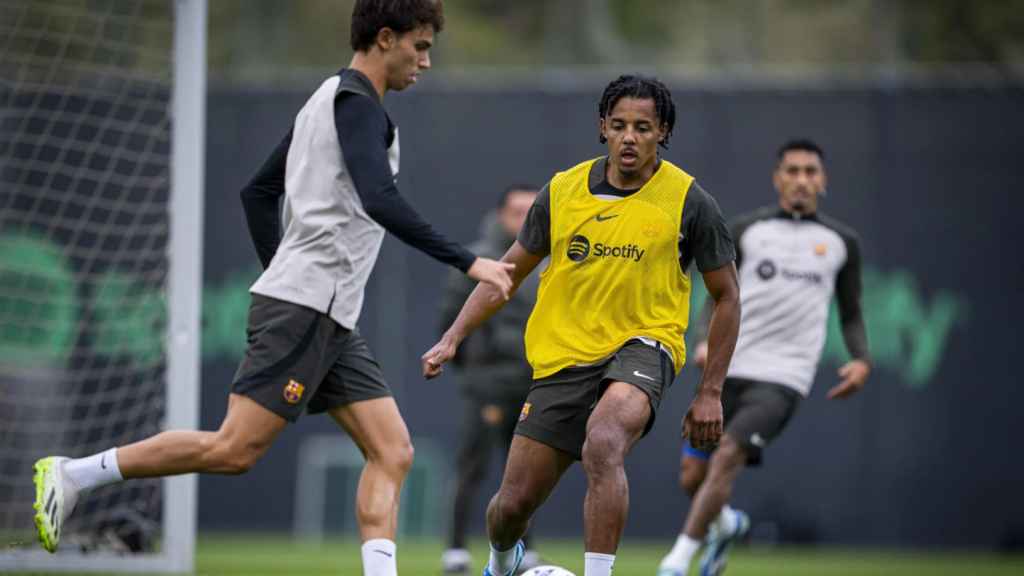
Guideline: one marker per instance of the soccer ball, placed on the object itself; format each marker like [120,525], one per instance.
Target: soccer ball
[547,571]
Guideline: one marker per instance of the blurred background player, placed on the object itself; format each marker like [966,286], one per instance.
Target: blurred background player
[791,259]
[493,374]
[335,171]
[605,338]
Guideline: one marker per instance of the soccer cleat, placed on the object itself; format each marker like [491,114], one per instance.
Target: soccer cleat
[671,572]
[456,561]
[712,562]
[517,560]
[55,499]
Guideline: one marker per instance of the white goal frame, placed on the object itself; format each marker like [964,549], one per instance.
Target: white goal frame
[184,285]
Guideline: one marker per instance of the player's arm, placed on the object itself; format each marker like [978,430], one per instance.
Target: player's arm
[260,199]
[711,244]
[363,132]
[532,245]
[700,352]
[854,373]
[703,421]
[482,303]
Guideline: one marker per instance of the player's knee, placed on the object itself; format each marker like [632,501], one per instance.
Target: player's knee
[231,455]
[513,505]
[398,458]
[729,456]
[240,463]
[602,450]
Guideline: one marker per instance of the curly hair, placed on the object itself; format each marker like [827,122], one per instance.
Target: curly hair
[644,88]
[369,16]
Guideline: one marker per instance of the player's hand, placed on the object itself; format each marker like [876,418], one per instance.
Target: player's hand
[703,421]
[700,354]
[434,359]
[854,374]
[497,274]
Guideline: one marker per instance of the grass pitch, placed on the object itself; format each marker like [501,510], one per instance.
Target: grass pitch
[224,555]
[268,555]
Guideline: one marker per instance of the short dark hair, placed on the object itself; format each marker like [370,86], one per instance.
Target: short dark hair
[370,16]
[518,187]
[804,144]
[642,87]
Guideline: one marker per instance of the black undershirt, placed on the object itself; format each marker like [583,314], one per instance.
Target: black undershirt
[365,133]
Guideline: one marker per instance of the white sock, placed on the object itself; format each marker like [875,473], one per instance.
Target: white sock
[595,564]
[679,557]
[501,561]
[379,558]
[94,471]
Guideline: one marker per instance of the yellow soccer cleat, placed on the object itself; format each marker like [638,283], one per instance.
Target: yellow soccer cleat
[55,499]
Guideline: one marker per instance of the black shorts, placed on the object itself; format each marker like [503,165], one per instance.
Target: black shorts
[300,359]
[558,406]
[755,414]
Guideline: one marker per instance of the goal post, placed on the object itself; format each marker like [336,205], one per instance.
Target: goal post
[102,168]
[185,277]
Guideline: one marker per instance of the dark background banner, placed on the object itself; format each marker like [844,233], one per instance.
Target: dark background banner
[924,456]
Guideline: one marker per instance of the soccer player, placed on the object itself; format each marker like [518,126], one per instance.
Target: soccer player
[335,175]
[493,374]
[605,338]
[791,258]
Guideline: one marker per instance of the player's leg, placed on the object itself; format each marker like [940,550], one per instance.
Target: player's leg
[377,428]
[287,344]
[693,469]
[762,413]
[617,423]
[504,433]
[531,473]
[357,397]
[244,436]
[726,463]
[622,410]
[471,467]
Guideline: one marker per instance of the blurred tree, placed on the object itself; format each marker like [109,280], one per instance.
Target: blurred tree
[990,31]
[273,41]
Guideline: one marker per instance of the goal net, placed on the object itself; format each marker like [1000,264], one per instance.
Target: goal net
[98,275]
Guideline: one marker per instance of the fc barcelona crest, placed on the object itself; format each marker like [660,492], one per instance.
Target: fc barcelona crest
[525,412]
[293,392]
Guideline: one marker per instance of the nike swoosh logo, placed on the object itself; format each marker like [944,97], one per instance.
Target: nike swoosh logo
[639,374]
[388,554]
[602,218]
[103,462]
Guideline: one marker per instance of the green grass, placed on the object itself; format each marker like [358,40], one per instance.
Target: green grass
[223,555]
[219,555]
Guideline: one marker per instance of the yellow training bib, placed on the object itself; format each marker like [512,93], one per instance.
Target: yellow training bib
[614,273]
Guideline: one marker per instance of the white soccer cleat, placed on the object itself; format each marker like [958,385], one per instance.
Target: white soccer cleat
[712,562]
[520,549]
[456,561]
[55,499]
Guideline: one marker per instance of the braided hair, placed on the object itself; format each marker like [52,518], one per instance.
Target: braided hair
[643,88]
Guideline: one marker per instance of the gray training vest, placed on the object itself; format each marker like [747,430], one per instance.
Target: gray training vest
[329,244]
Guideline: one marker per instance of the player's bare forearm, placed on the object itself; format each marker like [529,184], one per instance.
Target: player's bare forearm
[723,328]
[483,302]
[485,299]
